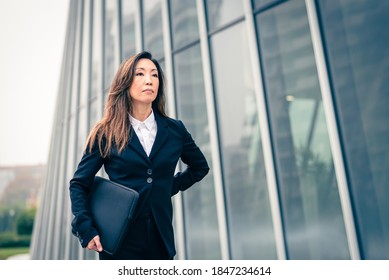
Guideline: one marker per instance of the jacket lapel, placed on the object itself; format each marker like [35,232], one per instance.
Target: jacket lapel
[136,145]
[161,137]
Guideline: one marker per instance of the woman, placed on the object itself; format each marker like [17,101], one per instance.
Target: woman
[139,146]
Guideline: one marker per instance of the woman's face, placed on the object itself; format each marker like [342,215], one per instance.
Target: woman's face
[144,88]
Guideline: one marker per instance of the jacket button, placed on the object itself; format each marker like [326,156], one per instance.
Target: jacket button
[149,180]
[149,171]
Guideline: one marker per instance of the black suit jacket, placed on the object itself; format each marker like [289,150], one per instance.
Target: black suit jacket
[153,177]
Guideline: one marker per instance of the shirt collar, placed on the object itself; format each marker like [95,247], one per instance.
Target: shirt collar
[149,122]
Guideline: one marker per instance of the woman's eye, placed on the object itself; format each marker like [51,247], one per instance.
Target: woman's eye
[155,75]
[139,74]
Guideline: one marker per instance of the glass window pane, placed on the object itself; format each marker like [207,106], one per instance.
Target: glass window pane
[111,42]
[76,61]
[357,38]
[249,216]
[93,114]
[163,67]
[184,22]
[313,220]
[82,132]
[60,179]
[84,91]
[202,233]
[152,28]
[70,160]
[260,3]
[128,28]
[221,12]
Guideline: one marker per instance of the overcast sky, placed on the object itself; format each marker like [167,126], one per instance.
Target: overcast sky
[32,34]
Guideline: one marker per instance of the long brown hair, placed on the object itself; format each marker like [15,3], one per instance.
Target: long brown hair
[115,125]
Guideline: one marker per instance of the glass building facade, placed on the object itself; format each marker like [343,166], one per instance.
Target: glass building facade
[287,99]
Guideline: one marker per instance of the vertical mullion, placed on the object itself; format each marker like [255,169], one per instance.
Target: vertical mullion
[138,26]
[76,116]
[90,58]
[53,227]
[333,130]
[62,175]
[265,134]
[120,29]
[39,233]
[213,132]
[171,105]
[168,58]
[103,51]
[117,26]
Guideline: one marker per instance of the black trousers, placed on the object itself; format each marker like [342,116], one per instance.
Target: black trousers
[142,242]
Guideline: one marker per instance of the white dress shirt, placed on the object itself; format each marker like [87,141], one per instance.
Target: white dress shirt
[146,131]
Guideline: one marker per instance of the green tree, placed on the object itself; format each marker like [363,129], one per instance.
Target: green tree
[25,221]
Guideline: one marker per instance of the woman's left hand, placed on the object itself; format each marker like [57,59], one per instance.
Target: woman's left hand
[95,244]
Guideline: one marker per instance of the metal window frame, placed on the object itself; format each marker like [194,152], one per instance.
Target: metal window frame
[37,247]
[328,104]
[265,133]
[213,132]
[171,104]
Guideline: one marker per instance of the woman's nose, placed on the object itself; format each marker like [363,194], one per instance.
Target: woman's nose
[148,79]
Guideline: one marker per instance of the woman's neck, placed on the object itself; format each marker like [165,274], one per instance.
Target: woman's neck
[141,113]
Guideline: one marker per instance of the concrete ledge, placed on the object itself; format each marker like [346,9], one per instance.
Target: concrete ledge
[20,257]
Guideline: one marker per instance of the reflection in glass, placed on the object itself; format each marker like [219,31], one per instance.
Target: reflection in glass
[152,27]
[201,223]
[128,28]
[249,216]
[313,220]
[260,3]
[184,22]
[357,38]
[221,12]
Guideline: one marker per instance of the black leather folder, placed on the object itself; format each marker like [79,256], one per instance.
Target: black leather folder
[112,206]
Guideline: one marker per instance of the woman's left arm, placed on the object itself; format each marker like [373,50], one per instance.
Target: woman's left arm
[197,166]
